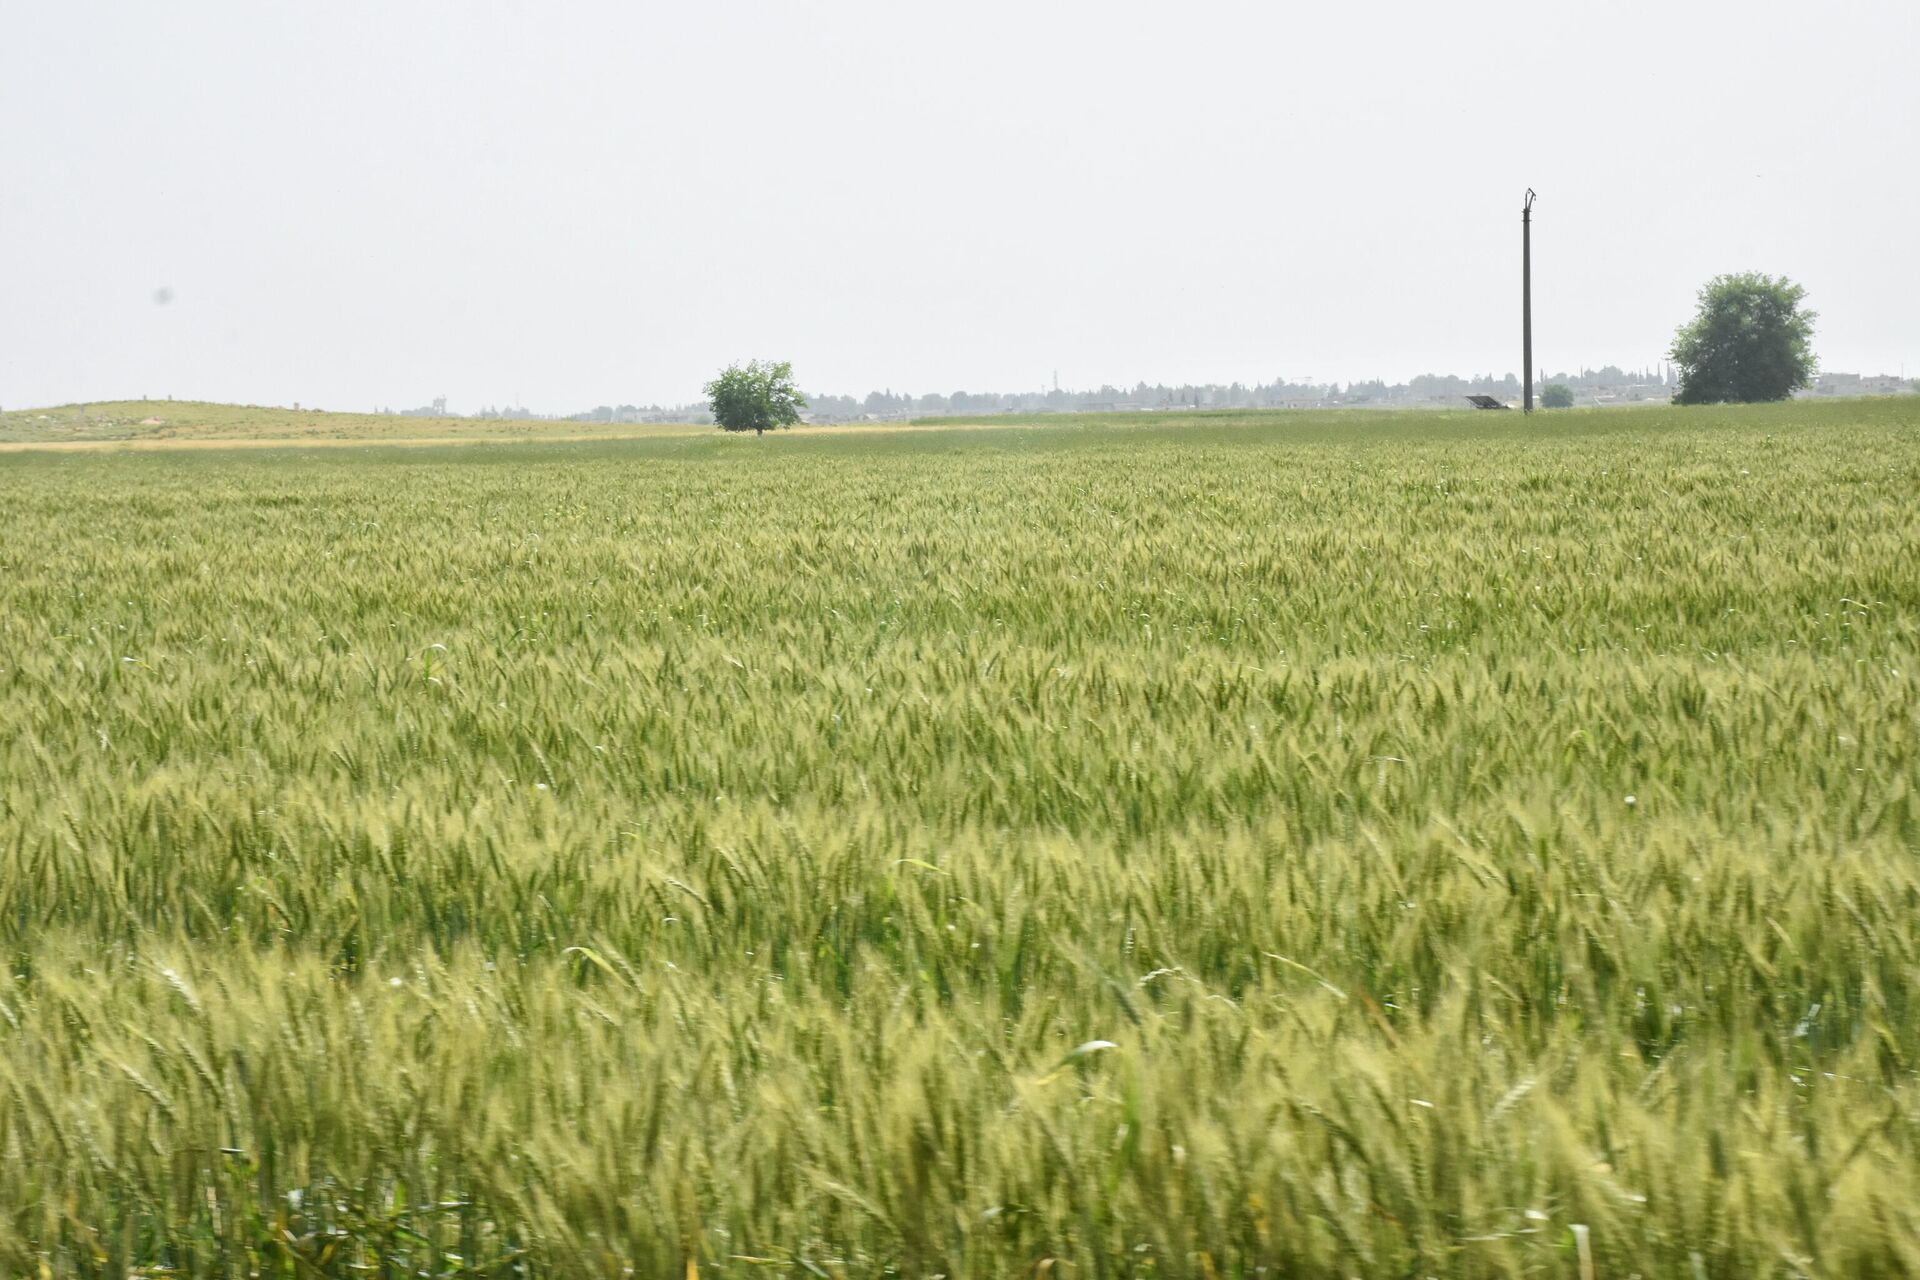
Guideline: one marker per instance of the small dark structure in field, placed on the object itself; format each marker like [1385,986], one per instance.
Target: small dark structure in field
[1486,402]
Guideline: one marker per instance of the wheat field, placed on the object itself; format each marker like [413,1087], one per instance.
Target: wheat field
[1243,845]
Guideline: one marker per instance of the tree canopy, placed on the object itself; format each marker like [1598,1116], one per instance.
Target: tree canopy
[1751,340]
[1556,395]
[755,397]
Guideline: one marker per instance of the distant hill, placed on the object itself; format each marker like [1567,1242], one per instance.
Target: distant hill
[140,421]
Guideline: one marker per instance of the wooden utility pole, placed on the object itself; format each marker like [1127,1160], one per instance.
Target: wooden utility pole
[1526,296]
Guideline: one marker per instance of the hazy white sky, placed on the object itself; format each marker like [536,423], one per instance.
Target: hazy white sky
[568,204]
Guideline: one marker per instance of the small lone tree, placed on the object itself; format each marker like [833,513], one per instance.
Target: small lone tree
[1750,341]
[755,397]
[1556,395]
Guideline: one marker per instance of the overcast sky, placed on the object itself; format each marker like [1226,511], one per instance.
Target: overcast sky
[569,204]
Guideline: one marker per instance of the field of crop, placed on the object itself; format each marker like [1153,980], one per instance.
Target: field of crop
[183,422]
[1373,846]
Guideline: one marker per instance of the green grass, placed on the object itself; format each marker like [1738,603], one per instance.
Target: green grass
[629,858]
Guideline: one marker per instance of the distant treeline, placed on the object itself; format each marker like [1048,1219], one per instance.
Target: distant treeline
[1277,394]
[1436,388]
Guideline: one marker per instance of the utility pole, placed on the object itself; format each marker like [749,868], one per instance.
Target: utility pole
[1526,295]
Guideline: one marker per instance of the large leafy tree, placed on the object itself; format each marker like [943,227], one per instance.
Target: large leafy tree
[755,397]
[1752,340]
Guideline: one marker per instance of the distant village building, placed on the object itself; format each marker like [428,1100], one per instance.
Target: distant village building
[1854,384]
